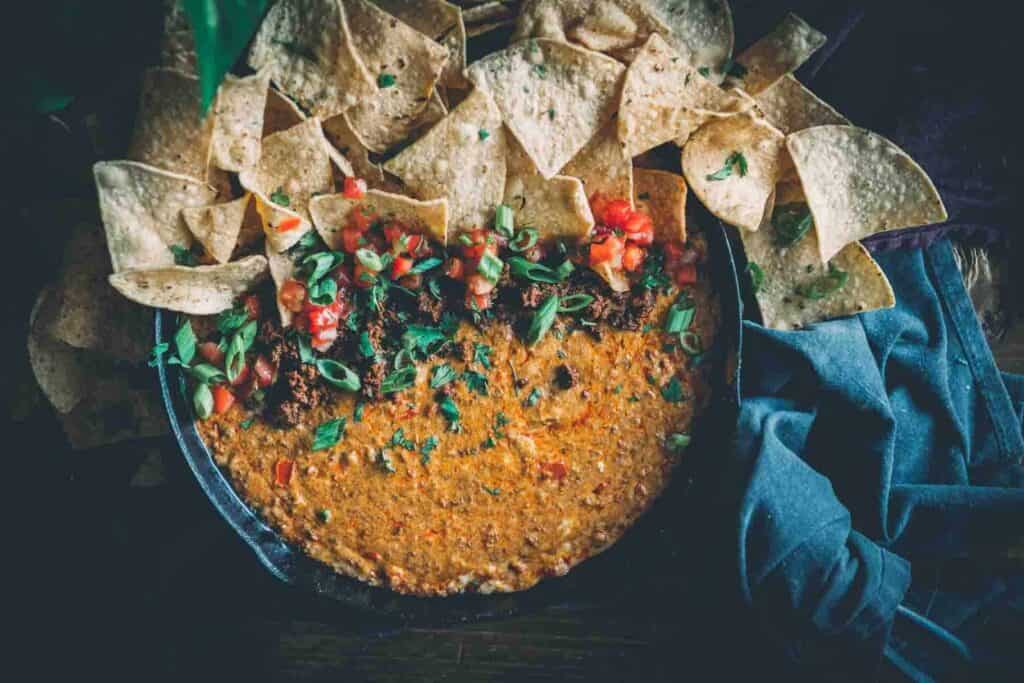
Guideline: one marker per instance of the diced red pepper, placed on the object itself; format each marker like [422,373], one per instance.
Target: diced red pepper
[283,471]
[413,243]
[633,258]
[353,188]
[252,306]
[292,295]
[482,242]
[289,223]
[478,284]
[351,240]
[211,353]
[686,274]
[393,232]
[400,266]
[322,317]
[223,399]
[360,219]
[554,470]
[264,371]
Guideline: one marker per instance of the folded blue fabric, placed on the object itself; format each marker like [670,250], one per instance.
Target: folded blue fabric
[866,442]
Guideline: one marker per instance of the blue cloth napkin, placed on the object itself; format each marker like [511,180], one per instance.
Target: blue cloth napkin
[865,444]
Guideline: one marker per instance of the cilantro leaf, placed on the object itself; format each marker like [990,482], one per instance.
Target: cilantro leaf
[328,434]
[475,381]
[673,391]
[482,354]
[441,375]
[280,198]
[427,448]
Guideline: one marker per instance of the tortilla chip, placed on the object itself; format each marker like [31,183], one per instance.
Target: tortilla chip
[279,223]
[473,182]
[251,232]
[122,406]
[339,132]
[308,49]
[701,31]
[601,25]
[489,12]
[790,107]
[476,30]
[553,96]
[737,199]
[330,214]
[297,162]
[280,113]
[84,306]
[663,196]
[169,133]
[202,290]
[391,50]
[782,51]
[217,226]
[141,209]
[603,166]
[661,95]
[282,268]
[787,270]
[238,121]
[64,373]
[440,21]
[859,183]
[177,47]
[556,207]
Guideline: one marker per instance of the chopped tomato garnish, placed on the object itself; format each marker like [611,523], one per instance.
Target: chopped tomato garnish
[242,377]
[211,353]
[322,340]
[413,243]
[252,306]
[360,219]
[686,274]
[292,295]
[283,471]
[617,213]
[351,240]
[223,399]
[608,251]
[482,241]
[393,232]
[322,317]
[243,392]
[353,188]
[478,284]
[264,371]
[455,268]
[633,258]
[554,470]
[641,238]
[638,221]
[289,223]
[400,266]
[477,302]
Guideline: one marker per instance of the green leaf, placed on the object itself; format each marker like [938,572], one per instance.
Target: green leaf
[680,317]
[338,374]
[494,492]
[482,354]
[533,398]
[321,263]
[475,381]
[370,259]
[306,353]
[206,373]
[448,408]
[365,346]
[280,197]
[490,267]
[791,222]
[398,440]
[185,342]
[677,442]
[424,339]
[328,434]
[542,321]
[386,80]
[441,375]
[504,222]
[427,448]
[202,401]
[673,391]
[825,285]
[524,239]
[483,134]
[241,341]
[399,380]
[575,302]
[230,320]
[247,423]
[157,354]
[385,462]
[426,264]
[735,159]
[535,272]
[183,256]
[221,29]
[756,276]
[357,414]
[323,291]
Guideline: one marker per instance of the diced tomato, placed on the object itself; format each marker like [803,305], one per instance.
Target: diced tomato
[400,266]
[455,268]
[554,470]
[289,223]
[393,232]
[252,306]
[322,340]
[223,399]
[638,221]
[686,274]
[364,277]
[608,251]
[283,471]
[351,240]
[633,258]
[292,295]
[211,353]
[246,390]
[353,188]
[478,284]
[264,371]
[642,238]
[413,243]
[477,302]
[617,213]
[242,377]
[360,219]
[483,242]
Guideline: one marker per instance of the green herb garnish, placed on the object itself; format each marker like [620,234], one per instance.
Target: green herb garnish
[424,339]
[202,401]
[535,272]
[825,285]
[370,260]
[482,354]
[241,342]
[441,375]
[324,515]
[338,374]
[280,198]
[247,423]
[230,320]
[323,291]
[791,222]
[157,354]
[533,398]
[493,492]
[451,411]
[365,346]
[185,343]
[680,316]
[735,159]
[385,80]
[399,380]
[398,440]
[490,267]
[543,319]
[677,442]
[328,434]
[483,134]
[574,303]
[475,381]
[357,413]
[426,264]
[756,276]
[183,256]
[385,462]
[206,373]
[524,239]
[704,71]
[427,448]
[504,222]
[673,391]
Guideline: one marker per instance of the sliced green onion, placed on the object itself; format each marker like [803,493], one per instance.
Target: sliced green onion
[524,239]
[323,291]
[206,373]
[503,220]
[575,302]
[535,272]
[565,269]
[322,263]
[241,341]
[679,318]
[202,401]
[691,343]
[543,319]
[370,260]
[490,267]
[426,264]
[403,359]
[466,239]
[338,375]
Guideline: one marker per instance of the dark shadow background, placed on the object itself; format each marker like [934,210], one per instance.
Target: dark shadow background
[149,583]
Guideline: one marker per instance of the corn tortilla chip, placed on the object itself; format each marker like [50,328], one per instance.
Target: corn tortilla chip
[462,159]
[282,268]
[340,134]
[553,96]
[475,30]
[859,183]
[790,107]
[732,165]
[122,406]
[780,52]
[63,372]
[663,196]
[251,233]
[169,132]
[217,226]
[177,47]
[280,113]
[603,166]
[701,31]
[489,12]
[556,207]
[406,66]
[440,21]
[600,25]
[331,212]
[141,209]
[660,95]
[308,49]
[84,305]
[202,290]
[238,121]
[791,294]
[281,226]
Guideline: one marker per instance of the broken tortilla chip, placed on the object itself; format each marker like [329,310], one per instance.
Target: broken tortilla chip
[238,121]
[790,107]
[177,46]
[556,207]
[701,31]
[331,212]
[282,268]
[462,159]
[553,96]
[307,47]
[339,132]
[122,406]
[601,25]
[858,183]
[201,290]
[440,21]
[169,132]
[141,209]
[732,165]
[780,52]
[63,372]
[662,195]
[406,66]
[660,96]
[603,166]
[280,113]
[217,226]
[282,227]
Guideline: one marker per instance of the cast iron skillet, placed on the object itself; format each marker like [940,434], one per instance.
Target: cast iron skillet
[642,550]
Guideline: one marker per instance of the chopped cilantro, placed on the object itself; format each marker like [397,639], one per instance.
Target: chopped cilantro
[398,440]
[540,70]
[324,515]
[654,275]
[280,198]
[500,420]
[230,320]
[183,256]
[825,285]
[424,339]
[493,492]
[451,411]
[673,391]
[488,443]
[441,375]
[399,380]
[533,398]
[357,413]
[157,353]
[245,424]
[426,264]
[328,434]
[427,448]
[185,343]
[704,71]
[483,134]
[791,223]
[617,389]
[482,354]
[385,80]
[551,114]
[735,159]
[366,349]
[476,382]
[677,442]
